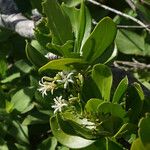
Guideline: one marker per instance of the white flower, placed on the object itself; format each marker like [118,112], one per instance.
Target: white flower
[65,78]
[46,86]
[59,103]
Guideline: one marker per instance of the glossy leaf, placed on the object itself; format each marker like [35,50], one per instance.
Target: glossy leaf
[19,132]
[113,109]
[81,24]
[63,64]
[74,125]
[22,99]
[101,37]
[35,56]
[137,145]
[23,66]
[102,77]
[120,90]
[92,105]
[109,55]
[68,140]
[144,131]
[35,118]
[134,102]
[48,144]
[65,49]
[131,43]
[58,22]
[11,77]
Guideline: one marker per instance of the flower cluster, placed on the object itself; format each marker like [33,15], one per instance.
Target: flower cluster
[61,80]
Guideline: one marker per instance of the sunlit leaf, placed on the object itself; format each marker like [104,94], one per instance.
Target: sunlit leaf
[120,90]
[64,64]
[68,140]
[101,37]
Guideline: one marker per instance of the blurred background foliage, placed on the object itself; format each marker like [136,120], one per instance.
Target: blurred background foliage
[19,78]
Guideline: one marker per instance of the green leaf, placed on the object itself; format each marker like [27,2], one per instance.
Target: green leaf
[101,37]
[11,77]
[43,35]
[36,118]
[99,144]
[126,129]
[75,126]
[3,67]
[90,90]
[111,145]
[3,144]
[81,24]
[9,106]
[35,44]
[137,145]
[144,131]
[140,90]
[21,147]
[70,141]
[58,22]
[109,55]
[72,3]
[22,99]
[102,76]
[23,66]
[92,105]
[134,102]
[19,132]
[48,144]
[64,64]
[65,49]
[36,4]
[131,43]
[120,90]
[35,56]
[143,11]
[113,109]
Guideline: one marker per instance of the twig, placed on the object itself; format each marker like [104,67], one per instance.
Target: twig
[131,27]
[135,65]
[131,4]
[125,26]
[120,13]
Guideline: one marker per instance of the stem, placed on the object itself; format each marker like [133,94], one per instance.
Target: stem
[131,27]
[131,4]
[131,65]
[120,13]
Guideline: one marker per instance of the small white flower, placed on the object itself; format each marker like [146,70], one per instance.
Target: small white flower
[66,78]
[59,103]
[46,86]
